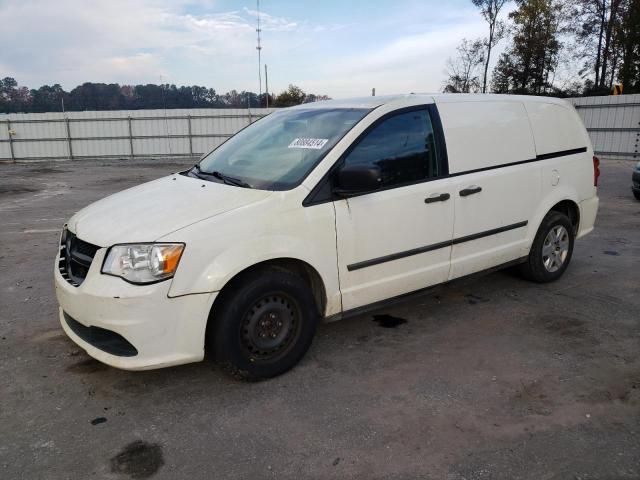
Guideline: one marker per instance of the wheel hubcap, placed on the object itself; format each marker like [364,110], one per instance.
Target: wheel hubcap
[270,326]
[555,248]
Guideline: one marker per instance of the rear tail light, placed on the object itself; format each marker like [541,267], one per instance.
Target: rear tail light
[596,170]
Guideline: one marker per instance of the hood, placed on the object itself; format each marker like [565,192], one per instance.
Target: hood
[152,210]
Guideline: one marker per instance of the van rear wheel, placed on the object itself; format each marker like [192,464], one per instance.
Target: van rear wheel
[264,325]
[552,249]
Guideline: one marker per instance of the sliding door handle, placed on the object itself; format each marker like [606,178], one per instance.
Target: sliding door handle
[470,191]
[443,197]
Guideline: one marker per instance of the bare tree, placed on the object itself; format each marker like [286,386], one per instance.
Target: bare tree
[614,7]
[490,10]
[596,24]
[462,71]
[629,46]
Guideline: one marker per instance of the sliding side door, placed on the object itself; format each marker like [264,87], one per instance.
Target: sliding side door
[497,182]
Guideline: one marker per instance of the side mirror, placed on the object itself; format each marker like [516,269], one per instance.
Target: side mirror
[357,179]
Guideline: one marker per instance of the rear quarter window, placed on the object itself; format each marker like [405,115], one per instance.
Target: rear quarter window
[556,128]
[485,134]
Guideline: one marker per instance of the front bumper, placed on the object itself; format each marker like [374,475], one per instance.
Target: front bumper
[163,331]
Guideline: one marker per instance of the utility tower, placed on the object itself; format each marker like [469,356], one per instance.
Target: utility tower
[259,48]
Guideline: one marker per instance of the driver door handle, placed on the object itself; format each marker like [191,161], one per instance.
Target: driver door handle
[470,191]
[442,197]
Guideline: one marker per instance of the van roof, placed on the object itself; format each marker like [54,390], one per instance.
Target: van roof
[418,98]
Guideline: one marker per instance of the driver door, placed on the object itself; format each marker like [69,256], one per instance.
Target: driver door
[396,239]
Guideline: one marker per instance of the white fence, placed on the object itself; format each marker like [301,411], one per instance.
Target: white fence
[613,124]
[119,134]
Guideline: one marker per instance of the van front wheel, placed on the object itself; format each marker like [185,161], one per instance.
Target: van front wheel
[264,324]
[551,250]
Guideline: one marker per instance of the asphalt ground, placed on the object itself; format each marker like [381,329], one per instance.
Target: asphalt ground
[489,378]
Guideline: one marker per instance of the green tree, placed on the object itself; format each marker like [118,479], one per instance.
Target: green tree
[148,96]
[8,85]
[528,65]
[14,98]
[101,96]
[290,97]
[96,96]
[49,98]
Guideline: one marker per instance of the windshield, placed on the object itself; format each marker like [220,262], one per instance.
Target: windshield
[278,151]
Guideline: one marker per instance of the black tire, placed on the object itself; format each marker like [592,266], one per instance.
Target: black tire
[263,324]
[543,268]
[636,194]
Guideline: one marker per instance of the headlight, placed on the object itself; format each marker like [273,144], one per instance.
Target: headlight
[144,263]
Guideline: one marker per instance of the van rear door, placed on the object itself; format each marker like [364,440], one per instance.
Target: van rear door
[497,187]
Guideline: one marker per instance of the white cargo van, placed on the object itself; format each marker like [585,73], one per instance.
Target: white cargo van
[322,211]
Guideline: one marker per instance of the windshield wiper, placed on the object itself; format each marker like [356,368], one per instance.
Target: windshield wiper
[230,180]
[220,176]
[196,171]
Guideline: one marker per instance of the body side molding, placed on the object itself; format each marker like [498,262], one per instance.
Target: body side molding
[435,246]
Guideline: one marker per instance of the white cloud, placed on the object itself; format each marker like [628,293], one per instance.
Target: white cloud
[123,41]
[71,41]
[408,63]
[138,67]
[271,23]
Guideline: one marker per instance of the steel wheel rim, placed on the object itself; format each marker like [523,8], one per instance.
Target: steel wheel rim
[555,249]
[270,327]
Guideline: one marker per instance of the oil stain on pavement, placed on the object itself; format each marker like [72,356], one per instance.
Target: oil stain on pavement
[388,321]
[475,299]
[138,460]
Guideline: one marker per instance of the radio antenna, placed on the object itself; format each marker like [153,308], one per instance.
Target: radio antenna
[266,85]
[259,48]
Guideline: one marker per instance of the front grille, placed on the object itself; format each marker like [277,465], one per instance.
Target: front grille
[75,258]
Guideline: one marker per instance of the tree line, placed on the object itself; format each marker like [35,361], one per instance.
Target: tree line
[102,96]
[552,47]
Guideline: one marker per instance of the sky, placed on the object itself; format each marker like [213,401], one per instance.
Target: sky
[338,48]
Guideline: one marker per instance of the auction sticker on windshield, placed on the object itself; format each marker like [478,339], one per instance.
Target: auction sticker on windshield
[312,143]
